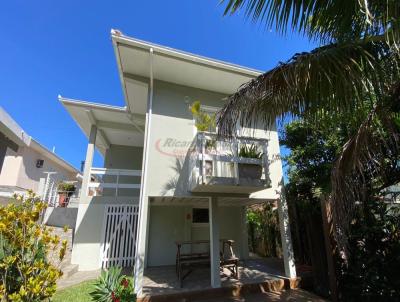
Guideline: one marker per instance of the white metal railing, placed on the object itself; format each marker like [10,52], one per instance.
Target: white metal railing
[113,182]
[216,156]
[52,196]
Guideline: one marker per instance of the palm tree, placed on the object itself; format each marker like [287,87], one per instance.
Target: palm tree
[356,67]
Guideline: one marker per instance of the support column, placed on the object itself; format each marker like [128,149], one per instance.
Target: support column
[214,242]
[288,255]
[244,235]
[142,241]
[142,236]
[89,160]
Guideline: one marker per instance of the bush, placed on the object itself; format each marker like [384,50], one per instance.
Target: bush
[26,274]
[111,286]
[66,187]
[374,247]
[263,229]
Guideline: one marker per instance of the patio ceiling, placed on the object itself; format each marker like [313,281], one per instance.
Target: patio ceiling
[203,201]
[116,126]
[174,66]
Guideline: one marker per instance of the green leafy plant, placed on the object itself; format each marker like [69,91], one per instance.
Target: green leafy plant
[30,254]
[203,120]
[375,248]
[112,286]
[250,151]
[66,187]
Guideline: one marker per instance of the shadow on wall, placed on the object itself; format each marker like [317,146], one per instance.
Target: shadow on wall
[179,185]
[60,217]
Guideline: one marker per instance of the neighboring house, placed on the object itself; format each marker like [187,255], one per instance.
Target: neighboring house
[27,165]
[162,180]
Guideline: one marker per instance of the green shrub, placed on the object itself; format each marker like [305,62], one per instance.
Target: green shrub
[66,187]
[374,247]
[26,272]
[111,286]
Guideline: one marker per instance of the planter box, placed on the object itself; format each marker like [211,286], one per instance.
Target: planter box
[63,199]
[250,171]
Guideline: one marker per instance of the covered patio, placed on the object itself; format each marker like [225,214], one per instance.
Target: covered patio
[173,223]
[255,274]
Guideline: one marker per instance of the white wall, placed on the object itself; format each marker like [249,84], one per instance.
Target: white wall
[170,223]
[173,130]
[89,229]
[11,166]
[19,169]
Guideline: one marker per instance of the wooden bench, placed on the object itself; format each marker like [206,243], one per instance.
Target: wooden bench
[191,261]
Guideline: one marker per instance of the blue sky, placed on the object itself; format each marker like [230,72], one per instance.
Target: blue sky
[54,47]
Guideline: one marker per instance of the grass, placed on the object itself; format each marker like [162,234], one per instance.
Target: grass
[76,293]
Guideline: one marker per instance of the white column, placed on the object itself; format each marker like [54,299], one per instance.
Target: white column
[89,160]
[244,235]
[214,242]
[144,210]
[288,255]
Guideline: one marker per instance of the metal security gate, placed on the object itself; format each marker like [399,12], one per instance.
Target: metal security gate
[119,237]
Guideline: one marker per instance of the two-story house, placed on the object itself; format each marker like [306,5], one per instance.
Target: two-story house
[164,183]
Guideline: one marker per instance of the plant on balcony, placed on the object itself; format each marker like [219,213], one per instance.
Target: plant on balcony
[250,151]
[203,120]
[248,170]
[112,286]
[65,190]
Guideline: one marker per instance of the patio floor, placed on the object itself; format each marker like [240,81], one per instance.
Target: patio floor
[163,280]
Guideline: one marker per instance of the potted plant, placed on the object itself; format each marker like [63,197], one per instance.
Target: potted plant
[65,190]
[252,171]
[205,122]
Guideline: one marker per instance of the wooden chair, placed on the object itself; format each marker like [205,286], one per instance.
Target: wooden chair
[228,259]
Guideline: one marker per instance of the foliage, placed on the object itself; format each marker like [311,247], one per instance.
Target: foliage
[372,245]
[66,187]
[249,151]
[203,120]
[313,150]
[26,272]
[357,62]
[263,228]
[374,242]
[77,293]
[111,286]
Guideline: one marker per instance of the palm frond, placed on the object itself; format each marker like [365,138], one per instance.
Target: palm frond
[371,154]
[332,77]
[327,21]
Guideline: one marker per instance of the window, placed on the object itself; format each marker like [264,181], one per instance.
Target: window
[39,163]
[200,215]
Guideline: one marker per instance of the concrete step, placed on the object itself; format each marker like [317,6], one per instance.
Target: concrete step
[69,270]
[76,278]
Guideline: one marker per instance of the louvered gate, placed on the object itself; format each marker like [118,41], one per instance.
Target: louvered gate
[119,237]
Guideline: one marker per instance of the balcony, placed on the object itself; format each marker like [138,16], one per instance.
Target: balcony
[114,182]
[219,165]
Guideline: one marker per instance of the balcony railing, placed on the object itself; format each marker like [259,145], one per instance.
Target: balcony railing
[114,182]
[217,162]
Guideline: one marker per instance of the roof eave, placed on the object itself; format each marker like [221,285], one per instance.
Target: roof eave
[118,37]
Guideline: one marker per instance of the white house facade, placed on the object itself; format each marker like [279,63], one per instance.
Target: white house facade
[163,181]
